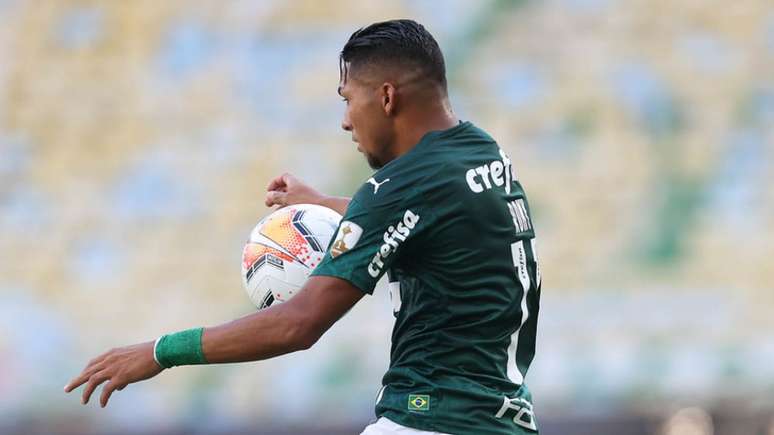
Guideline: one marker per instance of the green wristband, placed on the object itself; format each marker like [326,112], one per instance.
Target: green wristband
[180,348]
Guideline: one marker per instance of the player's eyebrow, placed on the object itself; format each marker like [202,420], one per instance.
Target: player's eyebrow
[339,91]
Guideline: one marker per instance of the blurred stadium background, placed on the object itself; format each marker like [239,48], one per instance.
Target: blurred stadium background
[137,136]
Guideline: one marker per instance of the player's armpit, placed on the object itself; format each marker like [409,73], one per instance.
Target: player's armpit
[294,325]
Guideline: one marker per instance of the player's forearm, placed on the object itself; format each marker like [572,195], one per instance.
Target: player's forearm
[338,203]
[282,328]
[265,334]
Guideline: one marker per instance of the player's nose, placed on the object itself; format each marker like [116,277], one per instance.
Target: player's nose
[346,124]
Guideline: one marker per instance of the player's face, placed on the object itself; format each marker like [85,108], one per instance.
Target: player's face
[365,119]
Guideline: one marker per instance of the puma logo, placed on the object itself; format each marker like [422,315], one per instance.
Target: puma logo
[376,184]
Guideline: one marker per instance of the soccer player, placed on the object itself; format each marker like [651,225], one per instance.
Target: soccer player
[443,217]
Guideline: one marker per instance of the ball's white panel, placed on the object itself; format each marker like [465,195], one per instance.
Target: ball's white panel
[283,249]
[279,289]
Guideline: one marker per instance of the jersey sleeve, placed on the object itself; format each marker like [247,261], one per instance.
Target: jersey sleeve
[371,237]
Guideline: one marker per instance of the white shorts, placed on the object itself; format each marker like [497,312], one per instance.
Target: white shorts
[384,426]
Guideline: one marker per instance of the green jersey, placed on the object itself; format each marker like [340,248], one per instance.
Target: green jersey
[450,227]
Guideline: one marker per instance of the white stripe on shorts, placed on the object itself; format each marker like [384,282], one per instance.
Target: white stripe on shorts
[384,426]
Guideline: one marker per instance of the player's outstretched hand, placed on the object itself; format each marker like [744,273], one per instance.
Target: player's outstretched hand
[119,367]
[288,190]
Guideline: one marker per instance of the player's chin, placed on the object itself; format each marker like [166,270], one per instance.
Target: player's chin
[373,162]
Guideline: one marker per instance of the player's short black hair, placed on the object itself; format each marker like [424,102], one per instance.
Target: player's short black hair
[395,42]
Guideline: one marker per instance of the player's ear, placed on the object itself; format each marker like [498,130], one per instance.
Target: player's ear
[388,99]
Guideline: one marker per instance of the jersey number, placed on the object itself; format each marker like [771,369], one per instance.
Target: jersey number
[519,255]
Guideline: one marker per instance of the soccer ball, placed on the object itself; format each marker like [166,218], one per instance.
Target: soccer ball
[283,249]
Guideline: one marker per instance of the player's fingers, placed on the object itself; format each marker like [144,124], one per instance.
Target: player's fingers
[289,179]
[107,390]
[76,382]
[95,360]
[276,198]
[83,377]
[277,183]
[93,383]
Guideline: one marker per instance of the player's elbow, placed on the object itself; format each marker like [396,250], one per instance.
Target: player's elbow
[307,340]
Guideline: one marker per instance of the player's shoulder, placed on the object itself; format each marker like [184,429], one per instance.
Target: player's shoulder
[400,181]
[402,185]
[435,167]
[388,188]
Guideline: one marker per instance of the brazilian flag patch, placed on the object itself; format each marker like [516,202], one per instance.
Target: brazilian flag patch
[418,402]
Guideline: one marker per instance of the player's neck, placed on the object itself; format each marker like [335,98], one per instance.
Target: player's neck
[423,120]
